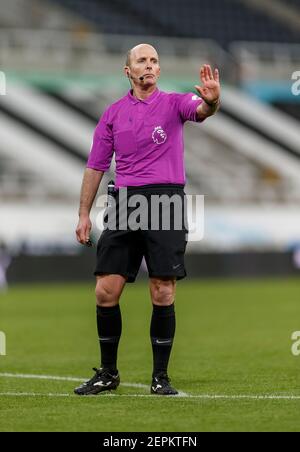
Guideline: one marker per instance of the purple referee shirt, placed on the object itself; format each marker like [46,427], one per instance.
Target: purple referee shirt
[146,136]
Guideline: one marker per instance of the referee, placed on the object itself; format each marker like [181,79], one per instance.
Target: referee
[145,131]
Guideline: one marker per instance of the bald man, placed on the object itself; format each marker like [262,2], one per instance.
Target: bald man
[144,129]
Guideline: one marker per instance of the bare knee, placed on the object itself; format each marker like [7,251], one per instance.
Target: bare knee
[109,289]
[106,294]
[162,291]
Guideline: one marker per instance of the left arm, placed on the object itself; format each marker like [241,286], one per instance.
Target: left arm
[210,92]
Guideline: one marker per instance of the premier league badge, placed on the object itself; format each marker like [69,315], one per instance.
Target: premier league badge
[159,136]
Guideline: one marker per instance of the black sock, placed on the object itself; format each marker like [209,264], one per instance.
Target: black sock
[109,323]
[162,333]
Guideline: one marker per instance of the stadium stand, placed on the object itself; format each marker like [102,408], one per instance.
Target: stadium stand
[36,14]
[224,21]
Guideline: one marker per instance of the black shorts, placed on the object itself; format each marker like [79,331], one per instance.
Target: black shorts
[120,251]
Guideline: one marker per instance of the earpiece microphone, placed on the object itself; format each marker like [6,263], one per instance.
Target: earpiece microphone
[134,78]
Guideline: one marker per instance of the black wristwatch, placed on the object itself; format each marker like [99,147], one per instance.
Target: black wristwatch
[213,104]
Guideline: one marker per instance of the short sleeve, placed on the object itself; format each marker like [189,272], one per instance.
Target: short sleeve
[187,106]
[103,145]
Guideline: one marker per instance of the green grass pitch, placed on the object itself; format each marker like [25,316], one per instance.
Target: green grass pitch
[233,341]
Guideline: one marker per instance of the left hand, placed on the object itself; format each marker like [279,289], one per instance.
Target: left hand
[211,89]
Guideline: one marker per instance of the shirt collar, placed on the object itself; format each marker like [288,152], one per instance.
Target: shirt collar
[149,100]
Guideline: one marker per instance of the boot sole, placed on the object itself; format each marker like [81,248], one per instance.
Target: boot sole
[96,392]
[163,394]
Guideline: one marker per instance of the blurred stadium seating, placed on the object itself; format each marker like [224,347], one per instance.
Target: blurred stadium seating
[63,60]
[223,21]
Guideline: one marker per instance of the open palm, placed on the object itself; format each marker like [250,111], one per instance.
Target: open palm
[210,89]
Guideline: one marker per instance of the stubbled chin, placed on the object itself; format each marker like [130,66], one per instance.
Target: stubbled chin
[149,81]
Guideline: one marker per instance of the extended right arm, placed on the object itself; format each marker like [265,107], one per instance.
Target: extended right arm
[89,188]
[98,162]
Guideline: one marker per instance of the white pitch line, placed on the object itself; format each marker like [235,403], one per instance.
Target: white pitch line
[40,377]
[153,397]
[73,379]
[56,378]
[32,394]
[138,385]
